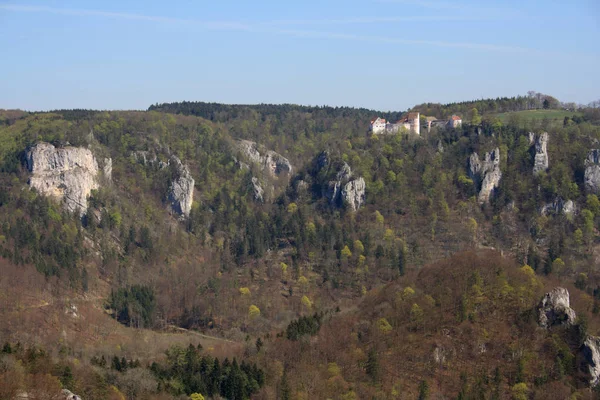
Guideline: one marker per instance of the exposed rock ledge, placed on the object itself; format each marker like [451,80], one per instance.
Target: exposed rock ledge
[592,171]
[181,191]
[272,162]
[344,188]
[555,309]
[591,355]
[486,173]
[541,154]
[68,174]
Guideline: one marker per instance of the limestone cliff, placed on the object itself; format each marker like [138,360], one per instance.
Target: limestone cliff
[257,190]
[353,193]
[343,187]
[555,309]
[274,163]
[68,174]
[592,171]
[486,174]
[181,191]
[540,163]
[107,169]
[591,355]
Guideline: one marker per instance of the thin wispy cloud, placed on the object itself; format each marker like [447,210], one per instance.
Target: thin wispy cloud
[268,27]
[437,5]
[393,40]
[482,12]
[372,20]
[118,15]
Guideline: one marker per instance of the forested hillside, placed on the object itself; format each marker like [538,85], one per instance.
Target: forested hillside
[316,260]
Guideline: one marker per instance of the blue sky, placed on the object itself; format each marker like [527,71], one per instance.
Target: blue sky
[380,54]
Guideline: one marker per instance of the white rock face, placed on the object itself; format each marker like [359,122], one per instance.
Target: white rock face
[272,162]
[181,191]
[486,172]
[353,193]
[569,208]
[439,355]
[555,309]
[345,188]
[67,174]
[258,190]
[592,171]
[591,354]
[541,154]
[107,168]
[69,395]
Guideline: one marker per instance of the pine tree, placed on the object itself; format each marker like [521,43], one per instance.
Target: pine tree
[372,367]
[423,390]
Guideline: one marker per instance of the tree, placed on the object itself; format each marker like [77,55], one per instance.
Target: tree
[253,312]
[423,390]
[244,291]
[306,302]
[358,247]
[384,326]
[346,253]
[196,396]
[475,117]
[372,366]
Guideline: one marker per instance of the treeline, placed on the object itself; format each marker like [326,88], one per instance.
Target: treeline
[225,112]
[532,101]
[187,371]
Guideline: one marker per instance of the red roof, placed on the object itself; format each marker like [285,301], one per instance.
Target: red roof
[456,118]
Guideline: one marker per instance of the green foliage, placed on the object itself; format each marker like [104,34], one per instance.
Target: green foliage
[308,325]
[187,371]
[133,305]
[373,368]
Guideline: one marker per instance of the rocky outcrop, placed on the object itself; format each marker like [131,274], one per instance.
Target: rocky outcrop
[486,174]
[590,350]
[440,146]
[149,159]
[69,395]
[107,169]
[555,309]
[592,171]
[353,193]
[274,163]
[559,206]
[181,191]
[540,163]
[68,174]
[257,189]
[343,187]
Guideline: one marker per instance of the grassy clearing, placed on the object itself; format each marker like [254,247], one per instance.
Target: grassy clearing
[537,115]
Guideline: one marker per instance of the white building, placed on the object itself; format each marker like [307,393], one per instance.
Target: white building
[378,125]
[410,122]
[455,121]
